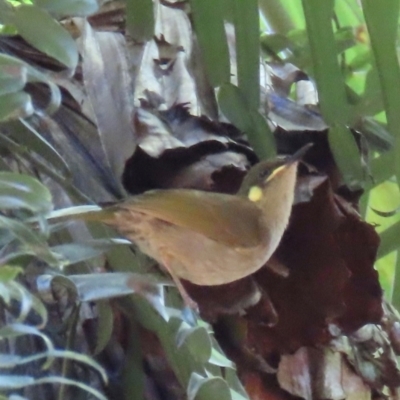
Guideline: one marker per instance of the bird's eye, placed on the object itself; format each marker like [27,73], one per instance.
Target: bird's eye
[264,173]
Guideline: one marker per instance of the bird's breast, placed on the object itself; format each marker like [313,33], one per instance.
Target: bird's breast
[191,256]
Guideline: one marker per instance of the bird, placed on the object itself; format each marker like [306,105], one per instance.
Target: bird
[210,238]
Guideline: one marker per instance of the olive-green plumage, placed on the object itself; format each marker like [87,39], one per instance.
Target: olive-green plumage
[211,238]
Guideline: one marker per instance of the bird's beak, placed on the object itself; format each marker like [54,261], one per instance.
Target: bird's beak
[290,161]
[296,157]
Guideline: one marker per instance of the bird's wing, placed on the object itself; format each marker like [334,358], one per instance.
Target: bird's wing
[227,219]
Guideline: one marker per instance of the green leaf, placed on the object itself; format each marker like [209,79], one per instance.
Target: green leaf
[32,243]
[33,75]
[381,169]
[73,253]
[22,191]
[71,212]
[330,83]
[331,89]
[382,24]
[9,382]
[6,12]
[197,341]
[56,42]
[238,396]
[361,60]
[233,105]
[275,43]
[12,79]
[92,287]
[209,26]
[247,36]
[235,108]
[22,232]
[389,240]
[12,360]
[16,330]
[105,325]
[347,156]
[238,392]
[12,290]
[29,302]
[74,8]
[23,132]
[140,19]
[261,137]
[280,14]
[371,101]
[200,388]
[15,381]
[217,358]
[376,134]
[9,273]
[104,286]
[386,214]
[15,105]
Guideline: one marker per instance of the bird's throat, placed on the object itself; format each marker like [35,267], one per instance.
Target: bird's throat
[276,205]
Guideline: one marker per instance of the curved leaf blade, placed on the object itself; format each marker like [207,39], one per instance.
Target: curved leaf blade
[22,191]
[210,31]
[52,39]
[15,105]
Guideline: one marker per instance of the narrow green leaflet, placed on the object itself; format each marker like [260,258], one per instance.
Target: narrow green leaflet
[197,340]
[104,286]
[105,325]
[6,12]
[62,8]
[25,134]
[238,396]
[247,37]
[238,391]
[56,42]
[331,89]
[15,105]
[217,358]
[140,19]
[210,31]
[234,106]
[15,330]
[382,24]
[371,101]
[12,79]
[261,136]
[70,212]
[273,43]
[9,382]
[9,273]
[389,240]
[13,290]
[33,75]
[376,134]
[31,242]
[92,287]
[381,169]
[279,14]
[23,191]
[201,388]
[347,156]
[73,253]
[12,360]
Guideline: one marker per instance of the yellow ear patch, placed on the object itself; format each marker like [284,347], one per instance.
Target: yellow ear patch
[255,193]
[276,172]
